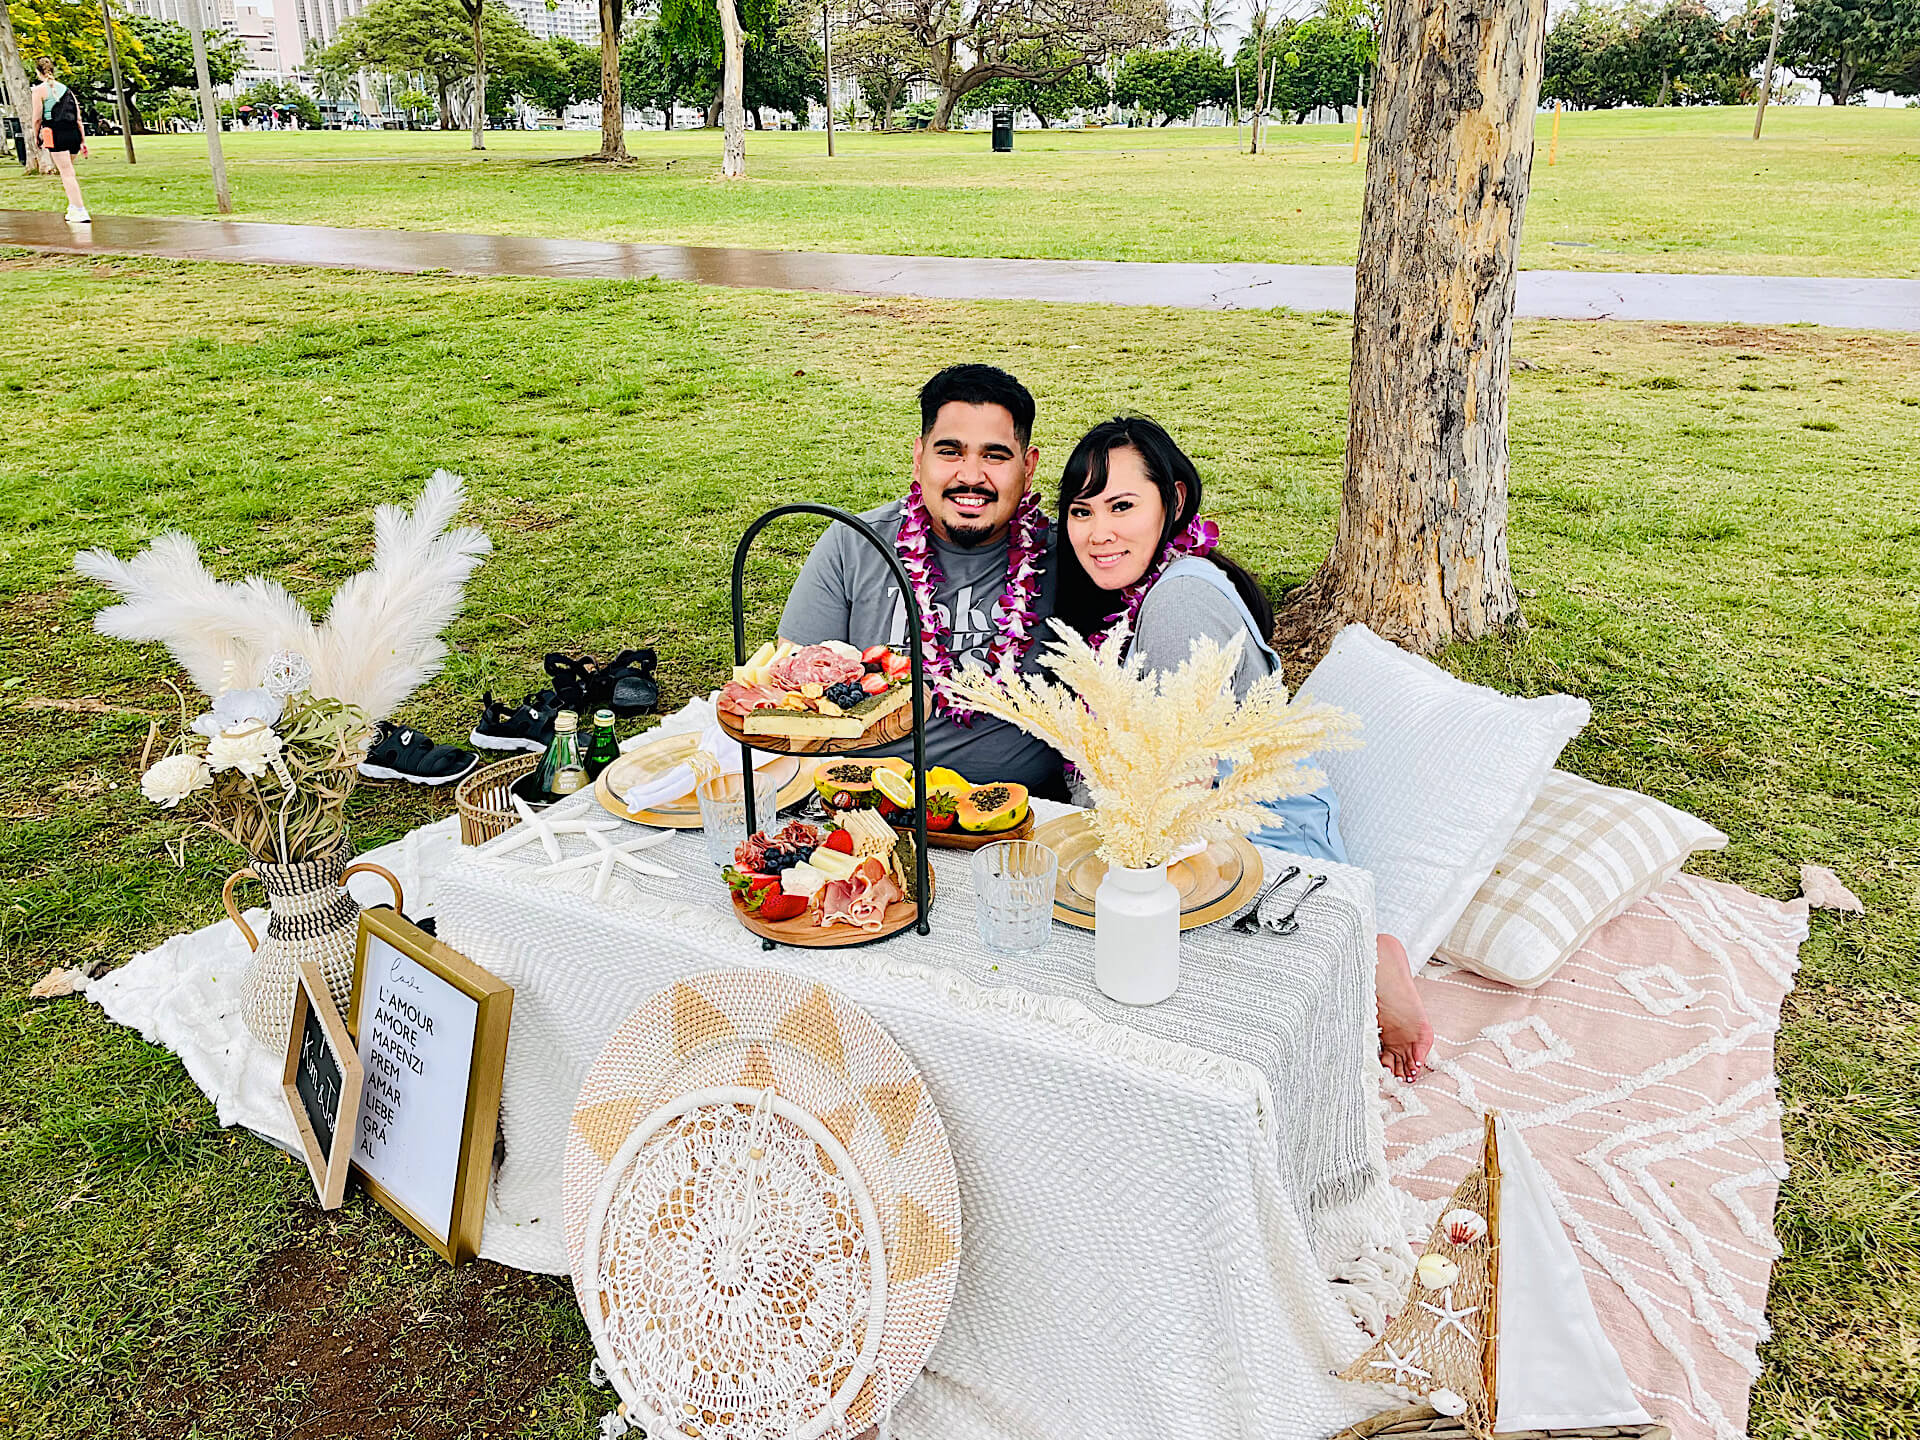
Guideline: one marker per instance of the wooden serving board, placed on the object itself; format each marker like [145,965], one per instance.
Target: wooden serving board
[896,724]
[958,839]
[801,930]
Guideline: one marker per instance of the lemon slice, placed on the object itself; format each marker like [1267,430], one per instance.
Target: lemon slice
[895,786]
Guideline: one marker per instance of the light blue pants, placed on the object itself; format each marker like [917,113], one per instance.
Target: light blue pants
[1305,825]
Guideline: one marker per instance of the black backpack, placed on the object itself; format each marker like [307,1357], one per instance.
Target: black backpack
[66,110]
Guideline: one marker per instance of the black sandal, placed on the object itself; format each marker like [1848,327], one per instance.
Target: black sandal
[576,682]
[630,687]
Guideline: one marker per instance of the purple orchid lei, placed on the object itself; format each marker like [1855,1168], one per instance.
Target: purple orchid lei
[1198,539]
[1014,614]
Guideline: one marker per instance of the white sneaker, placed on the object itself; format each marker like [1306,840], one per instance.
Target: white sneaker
[77,215]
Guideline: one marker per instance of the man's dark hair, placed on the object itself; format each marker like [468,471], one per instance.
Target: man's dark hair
[977,385]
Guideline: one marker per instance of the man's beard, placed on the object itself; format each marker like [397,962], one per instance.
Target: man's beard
[969,535]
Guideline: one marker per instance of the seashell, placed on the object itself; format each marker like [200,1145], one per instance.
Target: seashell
[1463,1227]
[1436,1271]
[1447,1402]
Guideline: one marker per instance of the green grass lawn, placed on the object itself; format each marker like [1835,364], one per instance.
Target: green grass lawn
[1717,531]
[1828,192]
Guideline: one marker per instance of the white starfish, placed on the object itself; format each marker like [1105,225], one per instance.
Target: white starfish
[610,858]
[535,826]
[1400,1365]
[1451,1318]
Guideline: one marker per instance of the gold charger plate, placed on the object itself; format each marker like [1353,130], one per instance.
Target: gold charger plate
[684,813]
[1214,884]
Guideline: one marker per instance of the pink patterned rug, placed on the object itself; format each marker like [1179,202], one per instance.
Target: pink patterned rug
[1643,1077]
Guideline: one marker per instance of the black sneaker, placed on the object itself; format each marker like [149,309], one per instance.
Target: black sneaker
[398,754]
[530,727]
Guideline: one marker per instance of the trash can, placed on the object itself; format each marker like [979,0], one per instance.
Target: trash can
[1003,127]
[19,140]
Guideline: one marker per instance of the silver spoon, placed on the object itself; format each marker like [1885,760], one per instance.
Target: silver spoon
[1286,924]
[1248,922]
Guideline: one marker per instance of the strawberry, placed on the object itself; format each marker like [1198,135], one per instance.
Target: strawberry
[749,889]
[896,667]
[775,905]
[838,840]
[874,684]
[941,811]
[874,655]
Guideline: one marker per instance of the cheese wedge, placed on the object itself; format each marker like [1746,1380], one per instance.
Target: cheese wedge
[830,864]
[803,879]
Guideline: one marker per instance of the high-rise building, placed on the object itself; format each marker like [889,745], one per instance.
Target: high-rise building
[577,20]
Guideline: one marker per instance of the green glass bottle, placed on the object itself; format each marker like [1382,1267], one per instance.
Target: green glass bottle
[561,771]
[604,748]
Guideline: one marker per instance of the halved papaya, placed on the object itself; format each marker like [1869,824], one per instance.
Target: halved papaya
[843,777]
[989,808]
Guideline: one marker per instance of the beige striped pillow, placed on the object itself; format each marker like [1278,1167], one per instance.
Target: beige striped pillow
[1584,853]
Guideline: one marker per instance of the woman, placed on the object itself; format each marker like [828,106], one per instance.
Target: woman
[1130,502]
[61,134]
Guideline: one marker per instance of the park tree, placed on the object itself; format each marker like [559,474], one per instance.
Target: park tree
[168,63]
[279,95]
[14,88]
[1065,88]
[433,37]
[1204,24]
[1421,550]
[1843,44]
[656,72]
[570,76]
[884,59]
[1171,84]
[73,33]
[970,43]
[720,27]
[785,69]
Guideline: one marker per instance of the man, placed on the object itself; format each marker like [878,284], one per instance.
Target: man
[980,555]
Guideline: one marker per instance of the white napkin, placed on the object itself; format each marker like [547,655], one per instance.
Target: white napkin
[698,717]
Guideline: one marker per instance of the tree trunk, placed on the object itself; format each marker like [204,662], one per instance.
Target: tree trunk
[613,119]
[1843,80]
[1421,553]
[369,102]
[446,104]
[479,75]
[1666,88]
[759,121]
[733,114]
[209,110]
[13,78]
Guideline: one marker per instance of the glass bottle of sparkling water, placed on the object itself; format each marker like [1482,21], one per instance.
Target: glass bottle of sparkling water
[561,770]
[604,748]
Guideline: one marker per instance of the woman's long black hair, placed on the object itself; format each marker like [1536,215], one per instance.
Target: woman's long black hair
[1083,604]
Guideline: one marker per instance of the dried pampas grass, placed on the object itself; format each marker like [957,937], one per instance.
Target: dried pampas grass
[1152,747]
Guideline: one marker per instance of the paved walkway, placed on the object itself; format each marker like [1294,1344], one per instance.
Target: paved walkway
[1544,294]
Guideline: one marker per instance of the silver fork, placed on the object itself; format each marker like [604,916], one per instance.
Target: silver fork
[1286,924]
[1247,923]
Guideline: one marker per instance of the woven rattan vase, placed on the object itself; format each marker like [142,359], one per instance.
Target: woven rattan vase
[312,918]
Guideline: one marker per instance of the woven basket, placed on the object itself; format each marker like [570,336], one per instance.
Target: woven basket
[484,799]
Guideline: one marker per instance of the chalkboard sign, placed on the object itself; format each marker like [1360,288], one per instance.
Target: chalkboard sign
[431,1027]
[322,1080]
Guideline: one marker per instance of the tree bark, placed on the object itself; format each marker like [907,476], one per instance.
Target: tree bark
[613,119]
[446,104]
[1421,552]
[477,8]
[733,115]
[13,75]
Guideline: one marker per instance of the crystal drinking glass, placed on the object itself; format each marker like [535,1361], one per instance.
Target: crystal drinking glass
[1013,895]
[723,810]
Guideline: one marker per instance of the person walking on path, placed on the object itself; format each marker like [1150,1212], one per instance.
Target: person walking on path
[62,134]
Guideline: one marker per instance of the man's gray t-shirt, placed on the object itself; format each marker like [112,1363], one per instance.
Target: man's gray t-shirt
[847,592]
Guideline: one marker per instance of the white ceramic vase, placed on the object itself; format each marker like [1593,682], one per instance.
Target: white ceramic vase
[1136,935]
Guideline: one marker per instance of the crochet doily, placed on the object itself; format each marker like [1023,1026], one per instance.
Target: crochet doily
[739,1270]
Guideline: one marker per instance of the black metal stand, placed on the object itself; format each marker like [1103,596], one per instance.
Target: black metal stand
[923,892]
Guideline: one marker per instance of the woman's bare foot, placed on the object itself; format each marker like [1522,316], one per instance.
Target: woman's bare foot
[1405,1035]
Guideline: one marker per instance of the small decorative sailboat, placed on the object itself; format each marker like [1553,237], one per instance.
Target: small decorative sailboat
[1497,1335]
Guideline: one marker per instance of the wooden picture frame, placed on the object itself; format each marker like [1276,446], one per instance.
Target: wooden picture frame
[321,1079]
[431,1031]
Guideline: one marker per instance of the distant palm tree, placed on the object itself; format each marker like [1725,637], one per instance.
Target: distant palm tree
[1203,22]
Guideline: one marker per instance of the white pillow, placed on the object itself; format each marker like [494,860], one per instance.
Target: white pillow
[1444,776]
[1584,853]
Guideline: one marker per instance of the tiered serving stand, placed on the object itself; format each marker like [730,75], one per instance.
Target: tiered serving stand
[885,733]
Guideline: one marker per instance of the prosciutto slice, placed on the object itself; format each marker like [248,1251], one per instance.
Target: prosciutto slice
[861,899]
[737,698]
[813,665]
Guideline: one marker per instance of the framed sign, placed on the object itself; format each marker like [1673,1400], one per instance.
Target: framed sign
[431,1028]
[321,1079]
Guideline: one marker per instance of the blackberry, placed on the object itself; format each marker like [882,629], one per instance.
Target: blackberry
[845,694]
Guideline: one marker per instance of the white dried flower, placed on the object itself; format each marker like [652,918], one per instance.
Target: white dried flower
[288,672]
[169,781]
[250,749]
[234,709]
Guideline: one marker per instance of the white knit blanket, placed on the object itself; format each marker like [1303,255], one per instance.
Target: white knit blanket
[1142,1256]
[1172,1214]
